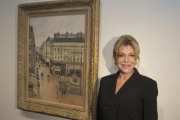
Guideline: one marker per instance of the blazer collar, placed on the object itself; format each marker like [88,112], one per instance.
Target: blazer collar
[128,84]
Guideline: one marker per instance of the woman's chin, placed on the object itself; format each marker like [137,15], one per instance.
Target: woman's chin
[126,71]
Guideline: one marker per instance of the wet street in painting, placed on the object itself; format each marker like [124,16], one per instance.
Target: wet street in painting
[46,88]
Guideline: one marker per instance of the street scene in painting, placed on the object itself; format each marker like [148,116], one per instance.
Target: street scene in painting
[56,58]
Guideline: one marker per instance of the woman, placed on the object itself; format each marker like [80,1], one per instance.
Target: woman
[127,95]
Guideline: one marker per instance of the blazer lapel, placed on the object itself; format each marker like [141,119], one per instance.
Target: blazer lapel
[112,87]
[129,83]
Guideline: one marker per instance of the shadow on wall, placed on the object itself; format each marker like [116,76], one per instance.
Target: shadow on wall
[108,55]
[108,58]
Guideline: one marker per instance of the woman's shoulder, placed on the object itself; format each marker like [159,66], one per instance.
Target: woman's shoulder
[108,77]
[147,80]
[149,84]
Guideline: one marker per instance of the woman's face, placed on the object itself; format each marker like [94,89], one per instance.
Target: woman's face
[125,60]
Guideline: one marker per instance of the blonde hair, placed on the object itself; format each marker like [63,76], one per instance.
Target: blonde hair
[126,40]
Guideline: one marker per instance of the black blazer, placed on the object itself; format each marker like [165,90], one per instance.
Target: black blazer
[136,99]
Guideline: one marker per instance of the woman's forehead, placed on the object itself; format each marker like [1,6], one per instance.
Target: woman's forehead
[126,49]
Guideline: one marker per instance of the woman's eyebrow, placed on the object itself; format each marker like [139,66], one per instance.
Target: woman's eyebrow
[128,53]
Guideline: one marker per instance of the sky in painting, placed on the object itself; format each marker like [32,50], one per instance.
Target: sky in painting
[46,26]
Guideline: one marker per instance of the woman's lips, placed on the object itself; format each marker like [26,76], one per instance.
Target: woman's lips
[126,65]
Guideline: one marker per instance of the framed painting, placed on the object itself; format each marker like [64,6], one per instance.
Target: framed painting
[58,58]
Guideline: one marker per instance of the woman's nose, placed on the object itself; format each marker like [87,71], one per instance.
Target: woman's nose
[126,59]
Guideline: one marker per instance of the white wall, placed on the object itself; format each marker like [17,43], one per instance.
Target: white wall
[154,23]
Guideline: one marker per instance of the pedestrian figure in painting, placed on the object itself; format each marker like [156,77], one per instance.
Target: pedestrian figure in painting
[41,74]
[48,76]
[38,84]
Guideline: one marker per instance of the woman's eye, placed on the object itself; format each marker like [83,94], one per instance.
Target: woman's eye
[120,55]
[132,55]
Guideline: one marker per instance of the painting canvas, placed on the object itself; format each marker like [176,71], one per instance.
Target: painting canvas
[58,58]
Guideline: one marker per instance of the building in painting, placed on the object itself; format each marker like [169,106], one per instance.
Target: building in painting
[48,43]
[32,51]
[64,54]
[67,54]
[69,35]
[32,58]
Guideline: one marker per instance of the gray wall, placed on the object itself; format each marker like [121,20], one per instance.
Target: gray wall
[154,23]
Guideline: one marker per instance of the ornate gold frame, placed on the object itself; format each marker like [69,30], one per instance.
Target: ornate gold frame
[91,10]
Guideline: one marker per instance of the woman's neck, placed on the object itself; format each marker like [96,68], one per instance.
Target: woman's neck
[125,76]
